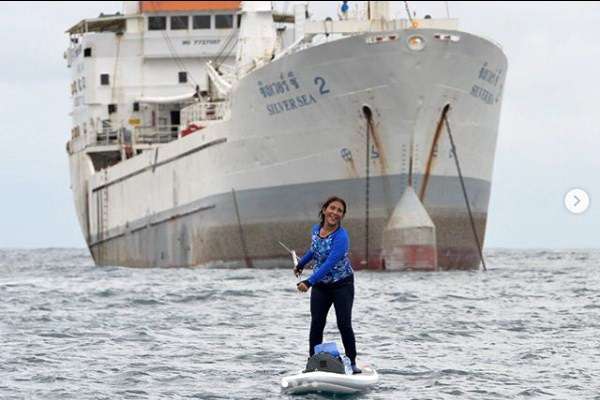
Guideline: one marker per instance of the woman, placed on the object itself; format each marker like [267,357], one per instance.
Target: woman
[332,280]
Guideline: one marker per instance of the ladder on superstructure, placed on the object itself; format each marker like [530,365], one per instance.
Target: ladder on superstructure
[103,209]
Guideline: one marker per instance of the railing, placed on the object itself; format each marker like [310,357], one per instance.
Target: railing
[156,134]
[140,135]
[202,111]
[108,136]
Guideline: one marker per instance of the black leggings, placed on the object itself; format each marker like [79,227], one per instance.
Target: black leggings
[321,299]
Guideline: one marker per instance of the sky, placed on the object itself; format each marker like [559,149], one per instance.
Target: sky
[548,143]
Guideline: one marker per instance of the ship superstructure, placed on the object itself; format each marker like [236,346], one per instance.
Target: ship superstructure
[206,132]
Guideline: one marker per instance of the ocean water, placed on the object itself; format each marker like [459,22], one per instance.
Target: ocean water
[527,328]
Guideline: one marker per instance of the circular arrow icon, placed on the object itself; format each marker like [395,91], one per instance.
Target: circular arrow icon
[577,201]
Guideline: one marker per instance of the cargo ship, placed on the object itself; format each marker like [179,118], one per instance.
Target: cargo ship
[205,133]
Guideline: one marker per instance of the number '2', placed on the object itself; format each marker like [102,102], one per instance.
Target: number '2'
[321,82]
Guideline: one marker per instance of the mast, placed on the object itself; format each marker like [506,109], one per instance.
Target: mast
[257,35]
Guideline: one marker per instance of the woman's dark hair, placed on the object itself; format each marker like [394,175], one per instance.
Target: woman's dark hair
[327,203]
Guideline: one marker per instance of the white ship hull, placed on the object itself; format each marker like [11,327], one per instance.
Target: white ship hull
[230,192]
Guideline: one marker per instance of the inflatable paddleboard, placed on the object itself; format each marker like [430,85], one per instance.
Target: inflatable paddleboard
[320,381]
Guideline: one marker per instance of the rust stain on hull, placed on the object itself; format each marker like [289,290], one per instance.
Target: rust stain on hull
[372,129]
[436,138]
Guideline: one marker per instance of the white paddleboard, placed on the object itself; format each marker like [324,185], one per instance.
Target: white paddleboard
[319,381]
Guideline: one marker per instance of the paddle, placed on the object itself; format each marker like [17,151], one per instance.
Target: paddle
[292,252]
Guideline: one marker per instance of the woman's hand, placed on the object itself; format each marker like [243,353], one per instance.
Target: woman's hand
[303,287]
[297,271]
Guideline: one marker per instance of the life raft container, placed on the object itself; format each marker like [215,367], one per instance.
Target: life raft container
[191,128]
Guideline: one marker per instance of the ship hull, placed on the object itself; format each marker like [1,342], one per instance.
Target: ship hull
[243,228]
[359,120]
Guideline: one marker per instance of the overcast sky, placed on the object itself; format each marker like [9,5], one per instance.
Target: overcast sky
[548,141]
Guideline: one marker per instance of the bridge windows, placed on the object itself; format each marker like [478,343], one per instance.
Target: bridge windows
[179,22]
[202,22]
[223,21]
[157,23]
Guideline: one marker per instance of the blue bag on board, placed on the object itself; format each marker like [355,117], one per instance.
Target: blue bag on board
[328,347]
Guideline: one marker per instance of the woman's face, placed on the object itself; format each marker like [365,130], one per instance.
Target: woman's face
[334,213]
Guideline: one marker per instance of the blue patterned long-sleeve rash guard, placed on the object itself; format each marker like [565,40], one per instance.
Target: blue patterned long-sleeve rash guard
[331,256]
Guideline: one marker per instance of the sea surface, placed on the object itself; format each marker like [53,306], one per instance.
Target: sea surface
[528,328]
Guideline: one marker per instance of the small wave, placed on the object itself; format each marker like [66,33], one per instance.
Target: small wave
[194,298]
[21,285]
[534,392]
[404,298]
[240,293]
[35,360]
[106,293]
[422,337]
[454,392]
[47,378]
[583,291]
[459,333]
[451,371]
[43,307]
[403,372]
[532,356]
[146,302]
[56,335]
[458,297]
[241,278]
[136,392]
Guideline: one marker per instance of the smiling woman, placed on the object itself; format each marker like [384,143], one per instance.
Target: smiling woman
[332,280]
